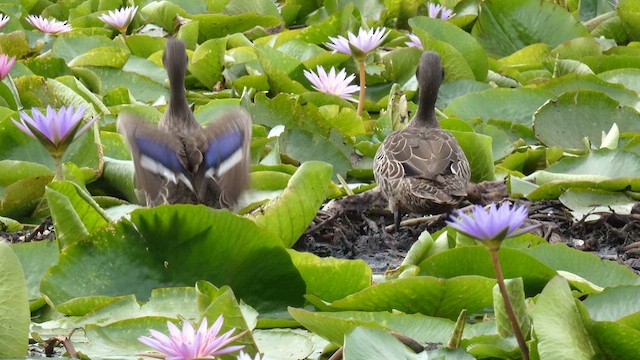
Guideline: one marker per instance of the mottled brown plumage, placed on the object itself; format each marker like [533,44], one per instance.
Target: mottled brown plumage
[179,161]
[421,168]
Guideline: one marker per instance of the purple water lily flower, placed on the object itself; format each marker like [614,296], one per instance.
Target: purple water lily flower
[365,42]
[5,65]
[414,41]
[437,11]
[121,18]
[4,19]
[493,225]
[46,26]
[332,83]
[55,130]
[190,344]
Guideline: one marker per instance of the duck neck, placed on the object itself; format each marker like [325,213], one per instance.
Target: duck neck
[426,114]
[178,114]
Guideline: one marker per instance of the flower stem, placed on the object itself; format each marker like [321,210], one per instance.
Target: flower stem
[362,87]
[517,331]
[57,160]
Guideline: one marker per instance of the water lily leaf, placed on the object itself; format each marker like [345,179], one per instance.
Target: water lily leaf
[206,62]
[289,215]
[74,213]
[174,302]
[331,279]
[474,260]
[577,48]
[163,247]
[449,91]
[505,26]
[629,12]
[376,344]
[333,326]
[630,78]
[461,40]
[528,58]
[586,265]
[23,196]
[585,204]
[477,149]
[575,82]
[144,45]
[454,62]
[214,302]
[558,324]
[497,103]
[111,56]
[438,297]
[515,292]
[555,122]
[14,314]
[117,179]
[141,87]
[305,146]
[602,63]
[70,47]
[616,340]
[284,343]
[164,13]
[36,257]
[9,225]
[214,26]
[601,169]
[613,303]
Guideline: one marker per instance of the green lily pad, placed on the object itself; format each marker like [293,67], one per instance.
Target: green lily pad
[36,257]
[565,122]
[497,103]
[376,344]
[329,278]
[147,252]
[289,215]
[438,297]
[14,314]
[461,40]
[575,82]
[506,26]
[558,325]
[630,78]
[474,260]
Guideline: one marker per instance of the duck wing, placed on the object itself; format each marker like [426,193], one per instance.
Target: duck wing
[160,160]
[224,173]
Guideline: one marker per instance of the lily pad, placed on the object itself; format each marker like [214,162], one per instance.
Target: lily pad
[169,253]
[565,122]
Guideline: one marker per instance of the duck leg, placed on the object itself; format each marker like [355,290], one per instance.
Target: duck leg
[397,217]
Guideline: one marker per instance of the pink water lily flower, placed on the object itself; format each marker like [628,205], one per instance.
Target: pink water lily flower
[5,65]
[190,344]
[337,84]
[121,18]
[4,19]
[437,11]
[46,26]
[365,41]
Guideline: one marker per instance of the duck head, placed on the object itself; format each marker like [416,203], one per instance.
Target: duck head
[430,75]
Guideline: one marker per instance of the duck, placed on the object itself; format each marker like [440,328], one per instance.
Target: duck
[178,161]
[422,169]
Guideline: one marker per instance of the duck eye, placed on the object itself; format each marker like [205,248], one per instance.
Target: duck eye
[443,73]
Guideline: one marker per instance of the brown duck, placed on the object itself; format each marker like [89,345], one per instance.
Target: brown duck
[421,168]
[179,161]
